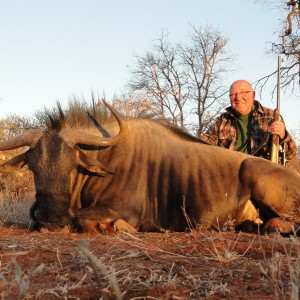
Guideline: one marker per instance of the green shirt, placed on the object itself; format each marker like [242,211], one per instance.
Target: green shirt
[244,133]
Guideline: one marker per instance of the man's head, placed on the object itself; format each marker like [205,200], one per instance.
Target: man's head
[241,97]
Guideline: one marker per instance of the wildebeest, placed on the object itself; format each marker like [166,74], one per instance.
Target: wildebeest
[151,176]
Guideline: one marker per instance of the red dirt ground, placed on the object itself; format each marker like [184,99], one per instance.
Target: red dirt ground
[191,265]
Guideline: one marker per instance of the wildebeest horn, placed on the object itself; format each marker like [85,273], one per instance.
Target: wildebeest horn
[74,136]
[28,138]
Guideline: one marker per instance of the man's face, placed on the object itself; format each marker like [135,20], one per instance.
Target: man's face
[241,97]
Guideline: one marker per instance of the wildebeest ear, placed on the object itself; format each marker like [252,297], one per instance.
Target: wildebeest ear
[14,164]
[91,164]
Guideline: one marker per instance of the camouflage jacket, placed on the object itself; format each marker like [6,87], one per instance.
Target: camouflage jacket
[224,132]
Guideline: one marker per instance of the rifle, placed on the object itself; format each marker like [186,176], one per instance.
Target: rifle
[275,149]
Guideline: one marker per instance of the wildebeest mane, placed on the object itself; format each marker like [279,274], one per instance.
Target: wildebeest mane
[78,115]
[57,119]
[84,116]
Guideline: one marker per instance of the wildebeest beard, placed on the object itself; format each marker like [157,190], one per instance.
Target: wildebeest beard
[57,205]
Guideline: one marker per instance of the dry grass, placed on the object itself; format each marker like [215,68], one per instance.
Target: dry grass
[198,265]
[16,194]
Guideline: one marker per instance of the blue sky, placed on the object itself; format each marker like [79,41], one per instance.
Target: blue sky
[52,50]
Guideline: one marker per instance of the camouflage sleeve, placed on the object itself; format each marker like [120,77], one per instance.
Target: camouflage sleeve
[211,135]
[209,138]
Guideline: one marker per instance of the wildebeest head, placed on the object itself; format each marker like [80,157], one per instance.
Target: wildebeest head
[56,160]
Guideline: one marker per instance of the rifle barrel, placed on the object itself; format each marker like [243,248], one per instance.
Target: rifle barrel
[278,83]
[275,138]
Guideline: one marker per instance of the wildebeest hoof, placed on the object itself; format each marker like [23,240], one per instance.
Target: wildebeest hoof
[122,226]
[278,225]
[107,226]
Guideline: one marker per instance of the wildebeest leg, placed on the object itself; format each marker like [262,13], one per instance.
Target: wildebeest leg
[106,226]
[277,224]
[248,219]
[102,219]
[275,191]
[122,226]
[249,213]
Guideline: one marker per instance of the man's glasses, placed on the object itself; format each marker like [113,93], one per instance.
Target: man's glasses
[242,93]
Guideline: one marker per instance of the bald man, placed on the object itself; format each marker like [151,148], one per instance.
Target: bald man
[246,125]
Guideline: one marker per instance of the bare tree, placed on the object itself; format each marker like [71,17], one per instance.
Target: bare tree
[288,46]
[206,61]
[158,76]
[184,81]
[135,107]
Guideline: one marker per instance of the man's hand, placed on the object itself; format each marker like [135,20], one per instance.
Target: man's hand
[277,127]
